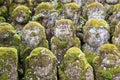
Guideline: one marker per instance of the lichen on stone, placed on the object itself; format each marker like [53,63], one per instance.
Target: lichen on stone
[40,64]
[8,63]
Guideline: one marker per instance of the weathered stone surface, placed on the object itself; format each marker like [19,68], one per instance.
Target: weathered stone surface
[116,36]
[64,38]
[107,64]
[96,33]
[46,15]
[20,16]
[8,36]
[41,65]
[8,63]
[75,66]
[33,36]
[96,10]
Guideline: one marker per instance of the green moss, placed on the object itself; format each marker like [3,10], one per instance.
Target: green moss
[2,19]
[44,6]
[96,23]
[115,8]
[95,5]
[105,74]
[39,51]
[109,49]
[61,44]
[72,5]
[19,8]
[58,22]
[32,24]
[7,52]
[6,28]
[3,11]
[117,30]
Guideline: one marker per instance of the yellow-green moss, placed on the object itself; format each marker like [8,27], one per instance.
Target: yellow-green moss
[19,1]
[3,11]
[96,23]
[18,8]
[58,22]
[2,19]
[44,6]
[35,24]
[72,5]
[115,8]
[61,44]
[95,5]
[8,52]
[6,27]
[41,50]
[109,49]
[117,30]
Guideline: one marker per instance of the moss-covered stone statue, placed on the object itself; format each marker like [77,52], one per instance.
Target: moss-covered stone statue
[46,15]
[96,10]
[109,3]
[8,63]
[75,66]
[64,38]
[73,12]
[116,36]
[20,16]
[34,3]
[96,33]
[115,17]
[15,3]
[33,36]
[107,64]
[8,36]
[41,65]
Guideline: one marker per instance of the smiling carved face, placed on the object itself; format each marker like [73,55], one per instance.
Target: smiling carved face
[97,13]
[63,31]
[96,37]
[32,36]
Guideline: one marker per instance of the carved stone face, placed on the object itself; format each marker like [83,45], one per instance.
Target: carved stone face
[110,60]
[96,37]
[41,64]
[63,31]
[97,13]
[89,74]
[45,66]
[65,1]
[32,36]
[73,70]
[112,1]
[21,17]
[115,18]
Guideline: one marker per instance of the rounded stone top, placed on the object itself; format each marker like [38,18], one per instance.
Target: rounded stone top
[44,6]
[95,5]
[6,28]
[97,23]
[73,5]
[41,51]
[20,8]
[109,49]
